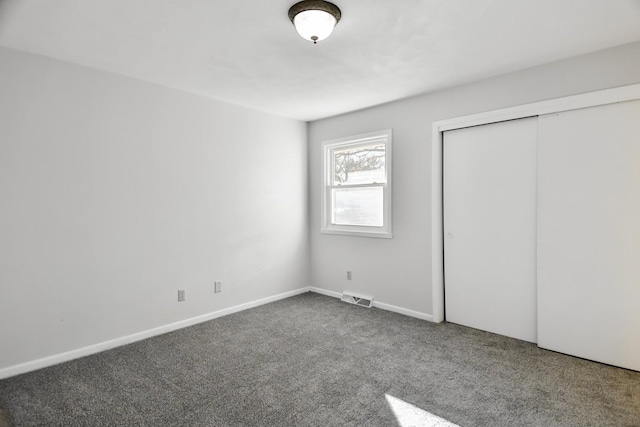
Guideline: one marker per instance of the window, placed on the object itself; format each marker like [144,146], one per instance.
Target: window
[357,185]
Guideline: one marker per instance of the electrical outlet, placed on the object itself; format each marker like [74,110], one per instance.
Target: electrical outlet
[348,275]
[217,287]
[180,294]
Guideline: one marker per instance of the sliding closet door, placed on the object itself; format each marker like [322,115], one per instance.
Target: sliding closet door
[490,227]
[589,233]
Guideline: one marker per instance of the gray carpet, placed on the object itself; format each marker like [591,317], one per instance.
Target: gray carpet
[311,360]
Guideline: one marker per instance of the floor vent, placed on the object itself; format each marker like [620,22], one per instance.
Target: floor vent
[357,299]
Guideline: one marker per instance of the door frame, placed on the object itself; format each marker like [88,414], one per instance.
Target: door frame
[574,102]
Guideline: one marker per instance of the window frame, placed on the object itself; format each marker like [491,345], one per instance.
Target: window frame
[328,147]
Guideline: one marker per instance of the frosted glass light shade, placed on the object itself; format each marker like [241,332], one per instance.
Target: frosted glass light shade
[314,19]
[314,25]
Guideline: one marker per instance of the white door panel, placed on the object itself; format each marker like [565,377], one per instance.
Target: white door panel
[490,227]
[589,233]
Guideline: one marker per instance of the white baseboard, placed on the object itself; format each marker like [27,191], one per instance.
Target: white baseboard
[117,342]
[325,292]
[405,311]
[377,304]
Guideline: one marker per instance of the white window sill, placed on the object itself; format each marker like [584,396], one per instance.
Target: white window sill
[358,233]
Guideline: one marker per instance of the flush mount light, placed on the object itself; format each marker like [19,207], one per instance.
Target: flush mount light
[314,19]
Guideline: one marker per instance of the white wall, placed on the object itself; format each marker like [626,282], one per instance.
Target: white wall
[115,193]
[398,271]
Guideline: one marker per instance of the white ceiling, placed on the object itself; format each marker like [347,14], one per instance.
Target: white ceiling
[247,52]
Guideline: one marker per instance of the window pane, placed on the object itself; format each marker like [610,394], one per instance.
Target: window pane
[359,165]
[358,206]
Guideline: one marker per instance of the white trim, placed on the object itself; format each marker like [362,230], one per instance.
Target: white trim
[586,100]
[117,342]
[574,102]
[44,362]
[404,311]
[350,232]
[377,304]
[325,292]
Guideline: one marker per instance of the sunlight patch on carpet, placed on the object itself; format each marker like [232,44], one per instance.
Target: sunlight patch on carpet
[409,415]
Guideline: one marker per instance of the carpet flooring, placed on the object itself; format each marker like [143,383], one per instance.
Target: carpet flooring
[312,360]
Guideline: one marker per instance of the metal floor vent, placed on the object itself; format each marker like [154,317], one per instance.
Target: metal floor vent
[357,299]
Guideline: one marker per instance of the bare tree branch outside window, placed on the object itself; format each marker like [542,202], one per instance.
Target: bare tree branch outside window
[357,160]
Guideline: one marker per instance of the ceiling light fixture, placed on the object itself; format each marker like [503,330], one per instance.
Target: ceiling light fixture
[314,19]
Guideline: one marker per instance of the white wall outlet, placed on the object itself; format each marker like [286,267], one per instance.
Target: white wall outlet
[348,275]
[180,294]
[217,287]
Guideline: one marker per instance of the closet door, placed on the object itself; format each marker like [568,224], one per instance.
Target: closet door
[490,227]
[589,233]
